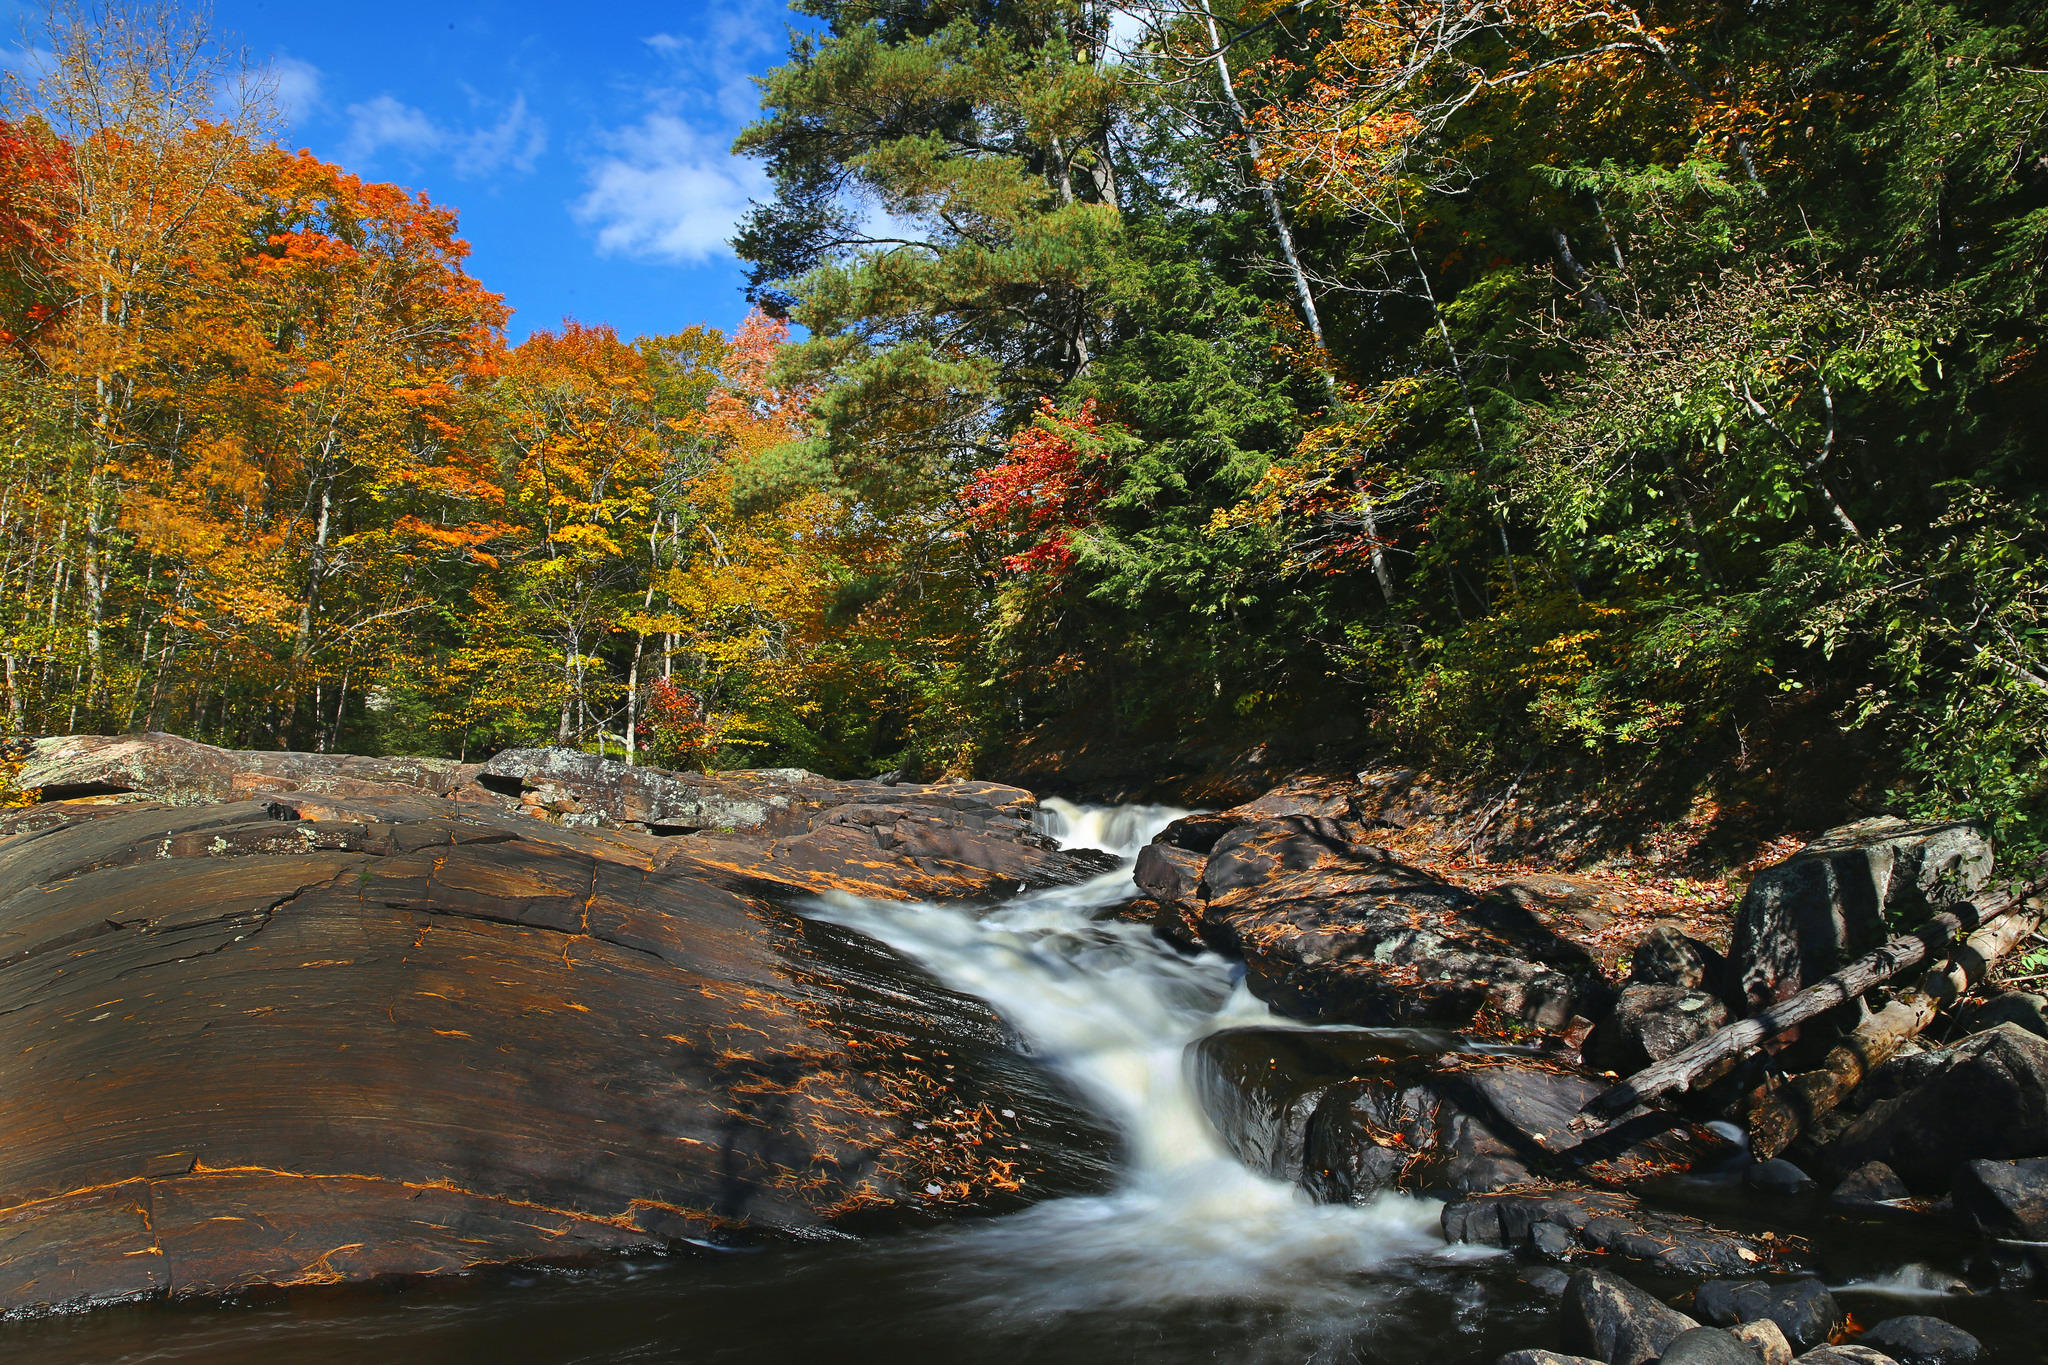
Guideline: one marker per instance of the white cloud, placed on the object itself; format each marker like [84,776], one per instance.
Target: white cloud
[668,191]
[296,85]
[383,124]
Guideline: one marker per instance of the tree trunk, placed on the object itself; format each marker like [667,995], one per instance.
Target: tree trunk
[1793,1107]
[1677,1071]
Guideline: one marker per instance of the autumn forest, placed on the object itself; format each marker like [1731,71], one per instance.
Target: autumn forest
[1650,392]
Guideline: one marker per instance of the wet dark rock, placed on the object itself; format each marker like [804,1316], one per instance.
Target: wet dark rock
[1544,1358]
[1177,923]
[1353,1112]
[1608,1318]
[1341,932]
[1166,873]
[1777,1176]
[1803,1309]
[1988,1100]
[1871,1183]
[1665,956]
[2006,1199]
[1920,1340]
[1564,1223]
[1546,1278]
[1260,1087]
[1650,1023]
[1835,898]
[317,1038]
[1766,1339]
[1707,1346]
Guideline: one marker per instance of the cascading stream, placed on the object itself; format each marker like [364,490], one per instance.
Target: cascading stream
[1113,1011]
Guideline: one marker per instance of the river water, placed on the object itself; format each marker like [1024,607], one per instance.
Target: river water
[1186,1256]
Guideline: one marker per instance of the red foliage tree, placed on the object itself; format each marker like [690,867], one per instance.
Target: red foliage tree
[1045,491]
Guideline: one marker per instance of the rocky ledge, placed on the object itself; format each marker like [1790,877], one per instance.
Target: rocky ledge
[286,1019]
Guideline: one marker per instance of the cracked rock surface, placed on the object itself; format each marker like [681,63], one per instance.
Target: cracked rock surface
[317,1037]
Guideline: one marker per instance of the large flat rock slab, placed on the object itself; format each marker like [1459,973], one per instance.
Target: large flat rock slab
[316,1038]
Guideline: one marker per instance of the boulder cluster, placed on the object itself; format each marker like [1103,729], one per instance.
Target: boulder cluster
[1333,927]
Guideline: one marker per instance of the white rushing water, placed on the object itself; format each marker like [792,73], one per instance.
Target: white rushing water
[1113,1011]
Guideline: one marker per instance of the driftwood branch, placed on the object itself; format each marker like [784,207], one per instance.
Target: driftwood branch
[1793,1107]
[1678,1071]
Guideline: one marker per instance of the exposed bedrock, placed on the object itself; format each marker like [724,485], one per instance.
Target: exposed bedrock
[1337,931]
[322,1037]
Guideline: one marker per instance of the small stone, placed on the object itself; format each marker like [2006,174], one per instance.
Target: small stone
[2007,1199]
[1843,1355]
[1544,1358]
[1606,1317]
[1803,1309]
[1919,1340]
[1777,1176]
[1765,1338]
[1707,1346]
[1547,1278]
[1871,1183]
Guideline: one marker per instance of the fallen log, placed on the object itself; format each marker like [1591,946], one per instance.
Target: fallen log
[1794,1106]
[1881,964]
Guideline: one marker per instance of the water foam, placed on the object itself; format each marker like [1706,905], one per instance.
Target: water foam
[1112,1010]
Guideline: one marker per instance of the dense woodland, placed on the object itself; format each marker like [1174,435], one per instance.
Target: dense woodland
[1634,390]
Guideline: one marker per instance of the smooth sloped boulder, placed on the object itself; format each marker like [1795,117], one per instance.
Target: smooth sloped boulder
[179,772]
[1563,1224]
[1707,1346]
[778,827]
[1837,898]
[1869,1184]
[1916,1339]
[1777,1176]
[1802,1309]
[2025,1008]
[312,1038]
[1341,932]
[1606,1317]
[1842,1355]
[2004,1198]
[1988,1099]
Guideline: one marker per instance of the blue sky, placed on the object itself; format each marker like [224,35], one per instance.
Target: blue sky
[586,146]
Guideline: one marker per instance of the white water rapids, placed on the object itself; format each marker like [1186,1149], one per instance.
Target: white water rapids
[1113,1011]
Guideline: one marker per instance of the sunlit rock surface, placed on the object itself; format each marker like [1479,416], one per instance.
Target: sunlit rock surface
[314,1038]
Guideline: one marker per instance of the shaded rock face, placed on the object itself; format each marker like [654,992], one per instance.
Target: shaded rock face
[1707,1346]
[1803,1310]
[311,1039]
[1988,1099]
[1871,1183]
[1665,956]
[1831,902]
[1340,932]
[1917,1339]
[1650,1023]
[1564,1224]
[1610,1319]
[1347,1114]
[2006,1199]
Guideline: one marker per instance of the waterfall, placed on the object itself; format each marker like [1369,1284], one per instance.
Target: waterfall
[1113,1010]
